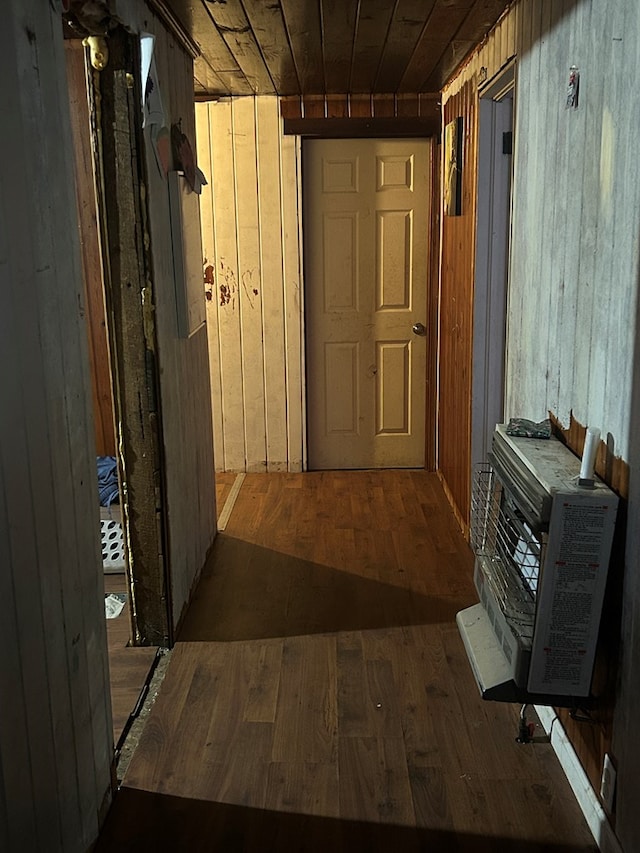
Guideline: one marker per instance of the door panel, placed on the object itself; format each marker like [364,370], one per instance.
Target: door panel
[366,209]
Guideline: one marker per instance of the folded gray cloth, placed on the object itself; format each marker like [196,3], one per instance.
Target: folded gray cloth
[529,429]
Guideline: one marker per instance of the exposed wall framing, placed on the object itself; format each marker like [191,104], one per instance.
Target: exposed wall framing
[133,343]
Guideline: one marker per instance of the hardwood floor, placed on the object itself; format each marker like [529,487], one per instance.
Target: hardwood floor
[319,697]
[128,666]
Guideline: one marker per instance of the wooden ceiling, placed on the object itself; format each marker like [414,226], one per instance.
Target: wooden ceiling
[322,47]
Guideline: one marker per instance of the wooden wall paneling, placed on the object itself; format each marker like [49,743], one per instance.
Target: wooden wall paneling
[268,25]
[456,314]
[231,22]
[617,196]
[255,198]
[207,218]
[314,106]
[272,282]
[293,297]
[598,270]
[361,106]
[564,366]
[184,364]
[510,31]
[373,24]
[620,197]
[133,340]
[55,727]
[337,106]
[100,371]
[250,283]
[227,283]
[302,22]
[291,107]
[407,104]
[383,106]
[529,244]
[338,23]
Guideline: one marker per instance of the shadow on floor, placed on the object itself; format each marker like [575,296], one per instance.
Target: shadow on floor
[141,821]
[248,592]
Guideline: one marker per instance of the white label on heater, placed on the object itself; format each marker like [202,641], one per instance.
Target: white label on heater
[570,593]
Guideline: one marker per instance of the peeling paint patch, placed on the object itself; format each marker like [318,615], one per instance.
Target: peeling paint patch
[208,274]
[228,287]
[209,281]
[225,294]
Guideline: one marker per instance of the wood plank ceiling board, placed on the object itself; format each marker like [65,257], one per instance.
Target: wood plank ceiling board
[338,22]
[231,22]
[440,27]
[370,36]
[477,23]
[325,47]
[267,23]
[215,53]
[302,20]
[204,75]
[409,19]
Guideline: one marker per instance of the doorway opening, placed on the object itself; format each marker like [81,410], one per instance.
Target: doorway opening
[129,663]
[495,169]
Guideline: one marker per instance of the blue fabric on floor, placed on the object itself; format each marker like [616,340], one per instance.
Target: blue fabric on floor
[107,480]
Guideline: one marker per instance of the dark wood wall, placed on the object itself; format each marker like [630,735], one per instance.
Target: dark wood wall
[456,317]
[101,389]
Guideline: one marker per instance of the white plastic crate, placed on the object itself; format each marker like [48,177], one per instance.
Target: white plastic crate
[112,542]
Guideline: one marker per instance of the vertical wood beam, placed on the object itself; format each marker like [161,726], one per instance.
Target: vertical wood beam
[130,303]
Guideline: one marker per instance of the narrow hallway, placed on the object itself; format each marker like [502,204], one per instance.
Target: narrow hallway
[319,697]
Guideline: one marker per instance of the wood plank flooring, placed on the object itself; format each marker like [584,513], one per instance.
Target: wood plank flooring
[128,665]
[319,697]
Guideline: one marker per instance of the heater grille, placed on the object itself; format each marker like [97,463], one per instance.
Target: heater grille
[510,554]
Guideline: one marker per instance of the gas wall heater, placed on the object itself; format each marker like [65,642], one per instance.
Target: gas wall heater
[542,544]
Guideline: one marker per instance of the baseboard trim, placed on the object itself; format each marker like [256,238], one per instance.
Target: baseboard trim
[588,801]
[230,502]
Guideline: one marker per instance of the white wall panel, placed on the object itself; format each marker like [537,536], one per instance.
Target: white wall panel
[251,237]
[184,363]
[56,742]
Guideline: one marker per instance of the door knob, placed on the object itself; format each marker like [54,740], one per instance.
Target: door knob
[418,329]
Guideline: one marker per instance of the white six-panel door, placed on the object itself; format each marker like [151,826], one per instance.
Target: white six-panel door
[366,214]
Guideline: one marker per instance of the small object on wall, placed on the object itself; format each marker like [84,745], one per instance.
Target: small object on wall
[187,255]
[573,88]
[453,138]
[591,442]
[185,159]
[526,428]
[98,51]
[153,116]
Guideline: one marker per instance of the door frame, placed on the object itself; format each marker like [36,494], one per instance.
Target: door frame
[496,114]
[431,307]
